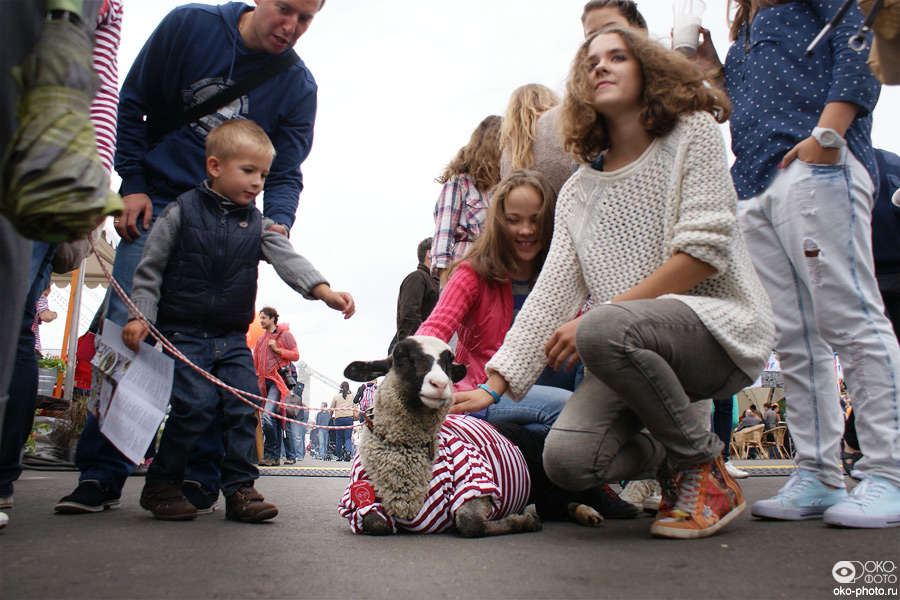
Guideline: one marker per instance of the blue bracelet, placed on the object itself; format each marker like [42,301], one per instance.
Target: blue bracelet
[490,391]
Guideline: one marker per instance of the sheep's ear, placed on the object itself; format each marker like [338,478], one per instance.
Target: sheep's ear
[367,371]
[457,372]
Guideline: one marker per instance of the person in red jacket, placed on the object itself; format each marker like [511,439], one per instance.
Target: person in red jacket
[275,348]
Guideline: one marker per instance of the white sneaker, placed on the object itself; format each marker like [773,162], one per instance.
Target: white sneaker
[734,471]
[802,497]
[638,490]
[4,520]
[651,503]
[874,503]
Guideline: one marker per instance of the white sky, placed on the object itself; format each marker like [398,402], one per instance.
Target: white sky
[402,84]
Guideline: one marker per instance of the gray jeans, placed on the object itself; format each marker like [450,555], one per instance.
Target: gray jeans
[646,362]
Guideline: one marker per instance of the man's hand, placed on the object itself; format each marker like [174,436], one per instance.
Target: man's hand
[273,346]
[560,349]
[809,151]
[126,223]
[134,333]
[341,301]
[471,401]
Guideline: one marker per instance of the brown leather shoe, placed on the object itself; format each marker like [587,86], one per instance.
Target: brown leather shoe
[166,502]
[248,506]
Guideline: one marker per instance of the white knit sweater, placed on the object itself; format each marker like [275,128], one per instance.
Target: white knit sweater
[615,228]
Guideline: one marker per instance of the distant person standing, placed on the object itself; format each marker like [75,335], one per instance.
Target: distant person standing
[418,294]
[343,412]
[323,418]
[275,348]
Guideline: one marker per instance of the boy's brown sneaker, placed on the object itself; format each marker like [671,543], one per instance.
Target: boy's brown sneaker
[248,506]
[167,502]
[708,498]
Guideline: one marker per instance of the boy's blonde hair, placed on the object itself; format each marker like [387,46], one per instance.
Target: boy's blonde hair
[526,105]
[236,136]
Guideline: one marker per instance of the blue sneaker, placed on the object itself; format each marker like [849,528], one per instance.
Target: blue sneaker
[802,497]
[874,503]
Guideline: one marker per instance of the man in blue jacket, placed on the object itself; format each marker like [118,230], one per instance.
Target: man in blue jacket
[194,53]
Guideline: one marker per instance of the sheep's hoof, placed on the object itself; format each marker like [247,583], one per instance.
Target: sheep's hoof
[373,524]
[531,522]
[584,515]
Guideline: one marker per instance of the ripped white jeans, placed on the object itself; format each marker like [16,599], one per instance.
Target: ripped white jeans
[809,235]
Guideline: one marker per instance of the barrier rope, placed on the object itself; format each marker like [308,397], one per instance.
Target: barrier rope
[246,397]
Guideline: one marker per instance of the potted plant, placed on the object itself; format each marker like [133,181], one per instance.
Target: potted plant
[49,369]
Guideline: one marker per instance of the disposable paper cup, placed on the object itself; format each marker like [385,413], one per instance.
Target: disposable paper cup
[686,27]
[686,34]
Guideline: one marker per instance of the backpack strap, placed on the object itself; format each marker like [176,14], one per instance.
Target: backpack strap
[223,98]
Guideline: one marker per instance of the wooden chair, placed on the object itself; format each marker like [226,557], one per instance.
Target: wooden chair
[774,439]
[745,439]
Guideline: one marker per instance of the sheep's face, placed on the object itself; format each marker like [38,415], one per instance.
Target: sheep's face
[430,360]
[423,368]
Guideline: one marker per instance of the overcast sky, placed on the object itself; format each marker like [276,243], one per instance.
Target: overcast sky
[402,84]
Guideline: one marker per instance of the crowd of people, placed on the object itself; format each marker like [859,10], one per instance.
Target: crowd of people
[596,265]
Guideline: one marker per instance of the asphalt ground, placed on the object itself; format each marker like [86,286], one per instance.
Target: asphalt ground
[309,552]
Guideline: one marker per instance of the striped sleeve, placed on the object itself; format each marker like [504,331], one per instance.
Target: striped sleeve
[104,107]
[501,458]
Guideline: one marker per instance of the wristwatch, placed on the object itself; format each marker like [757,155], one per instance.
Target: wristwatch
[828,138]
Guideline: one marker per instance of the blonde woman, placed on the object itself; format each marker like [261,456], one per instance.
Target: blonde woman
[519,131]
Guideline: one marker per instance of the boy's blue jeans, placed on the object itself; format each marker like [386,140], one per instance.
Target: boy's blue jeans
[196,402]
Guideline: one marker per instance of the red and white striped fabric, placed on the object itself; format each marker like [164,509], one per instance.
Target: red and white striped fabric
[105,106]
[473,460]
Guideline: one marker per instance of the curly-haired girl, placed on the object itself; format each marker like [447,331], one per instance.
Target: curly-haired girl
[648,227]
[460,210]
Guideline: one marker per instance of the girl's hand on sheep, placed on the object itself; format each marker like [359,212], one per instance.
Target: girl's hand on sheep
[341,301]
[471,401]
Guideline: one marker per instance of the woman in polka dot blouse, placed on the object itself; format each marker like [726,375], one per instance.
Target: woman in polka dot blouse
[805,173]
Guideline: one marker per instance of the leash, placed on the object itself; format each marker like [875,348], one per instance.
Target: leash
[246,397]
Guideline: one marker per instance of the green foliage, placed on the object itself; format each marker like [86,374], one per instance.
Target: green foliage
[52,362]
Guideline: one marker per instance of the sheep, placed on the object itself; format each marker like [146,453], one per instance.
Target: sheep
[416,456]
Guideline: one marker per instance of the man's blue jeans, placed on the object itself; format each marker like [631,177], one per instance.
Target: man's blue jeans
[23,388]
[323,442]
[297,432]
[195,403]
[274,429]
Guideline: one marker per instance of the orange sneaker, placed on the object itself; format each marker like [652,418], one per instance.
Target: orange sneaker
[708,498]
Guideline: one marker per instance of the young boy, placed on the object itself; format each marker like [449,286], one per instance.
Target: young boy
[197,282]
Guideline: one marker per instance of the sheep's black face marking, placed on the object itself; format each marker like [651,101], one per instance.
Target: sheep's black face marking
[425,364]
[424,369]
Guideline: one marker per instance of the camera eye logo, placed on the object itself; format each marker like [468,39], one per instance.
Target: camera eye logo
[844,572]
